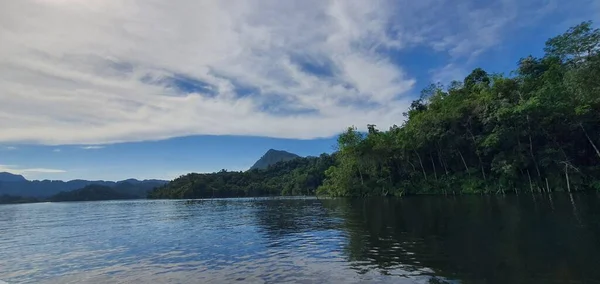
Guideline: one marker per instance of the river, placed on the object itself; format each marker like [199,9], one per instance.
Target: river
[423,239]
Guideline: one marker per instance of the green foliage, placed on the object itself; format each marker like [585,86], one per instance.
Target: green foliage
[578,42]
[91,193]
[11,199]
[537,131]
[300,176]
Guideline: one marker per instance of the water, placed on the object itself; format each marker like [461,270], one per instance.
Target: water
[546,239]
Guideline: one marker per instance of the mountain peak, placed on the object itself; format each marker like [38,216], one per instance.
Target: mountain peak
[5,176]
[273,156]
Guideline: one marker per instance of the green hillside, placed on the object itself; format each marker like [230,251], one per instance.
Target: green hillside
[535,130]
[91,193]
[300,176]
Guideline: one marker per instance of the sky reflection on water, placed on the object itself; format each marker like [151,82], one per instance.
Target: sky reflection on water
[413,240]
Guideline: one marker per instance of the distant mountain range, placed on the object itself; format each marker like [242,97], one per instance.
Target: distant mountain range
[17,185]
[93,193]
[4,176]
[272,157]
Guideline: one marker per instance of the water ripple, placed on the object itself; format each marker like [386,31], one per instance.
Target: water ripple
[271,241]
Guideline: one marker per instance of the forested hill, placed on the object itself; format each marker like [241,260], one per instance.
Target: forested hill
[17,185]
[8,177]
[300,176]
[92,193]
[537,130]
[272,157]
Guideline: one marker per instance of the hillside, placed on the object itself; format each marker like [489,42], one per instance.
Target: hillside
[47,188]
[4,176]
[9,199]
[91,193]
[535,130]
[300,176]
[272,157]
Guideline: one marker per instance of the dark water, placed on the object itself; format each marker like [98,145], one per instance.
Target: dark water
[413,240]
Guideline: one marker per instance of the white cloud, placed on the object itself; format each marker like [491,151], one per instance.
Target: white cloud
[448,73]
[95,72]
[24,171]
[10,148]
[57,150]
[92,147]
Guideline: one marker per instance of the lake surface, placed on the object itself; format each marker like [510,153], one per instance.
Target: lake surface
[541,239]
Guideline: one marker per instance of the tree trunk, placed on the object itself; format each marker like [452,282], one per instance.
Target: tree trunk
[590,140]
[530,183]
[476,153]
[533,157]
[362,182]
[567,178]
[445,167]
[464,163]
[421,162]
[413,165]
[441,160]
[433,164]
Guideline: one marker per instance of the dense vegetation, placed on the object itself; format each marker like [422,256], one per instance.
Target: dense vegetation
[12,199]
[91,193]
[45,188]
[272,157]
[300,176]
[535,131]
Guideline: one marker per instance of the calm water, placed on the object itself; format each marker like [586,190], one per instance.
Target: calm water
[412,240]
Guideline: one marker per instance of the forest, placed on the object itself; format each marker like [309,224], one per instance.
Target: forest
[534,131]
[127,189]
[300,176]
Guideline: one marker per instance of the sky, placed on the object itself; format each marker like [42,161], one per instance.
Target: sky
[118,89]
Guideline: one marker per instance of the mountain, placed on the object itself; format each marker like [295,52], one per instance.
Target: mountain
[272,157]
[4,176]
[46,188]
[299,176]
[92,193]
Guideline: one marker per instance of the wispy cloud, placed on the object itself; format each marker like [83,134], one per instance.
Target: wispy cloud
[56,150]
[289,69]
[24,171]
[10,148]
[93,147]
[446,74]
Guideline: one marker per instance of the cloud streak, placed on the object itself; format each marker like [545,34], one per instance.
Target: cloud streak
[95,72]
[24,171]
[92,147]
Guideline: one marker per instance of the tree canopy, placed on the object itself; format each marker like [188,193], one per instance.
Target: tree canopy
[300,176]
[534,131]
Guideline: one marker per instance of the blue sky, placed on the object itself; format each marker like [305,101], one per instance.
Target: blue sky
[110,90]
[164,159]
